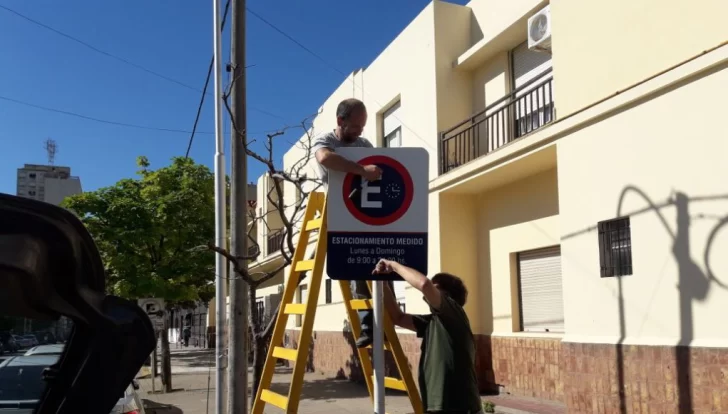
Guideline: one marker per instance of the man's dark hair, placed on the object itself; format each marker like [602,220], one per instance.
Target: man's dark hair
[453,286]
[348,106]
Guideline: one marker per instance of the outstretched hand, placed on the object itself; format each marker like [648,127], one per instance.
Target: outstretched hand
[383,267]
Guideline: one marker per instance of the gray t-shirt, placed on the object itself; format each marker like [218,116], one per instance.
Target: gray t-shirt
[330,141]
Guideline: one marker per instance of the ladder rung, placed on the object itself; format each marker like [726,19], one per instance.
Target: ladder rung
[314,224]
[361,304]
[295,309]
[386,346]
[393,383]
[273,398]
[304,265]
[285,353]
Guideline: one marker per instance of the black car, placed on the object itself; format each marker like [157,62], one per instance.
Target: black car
[21,382]
[9,344]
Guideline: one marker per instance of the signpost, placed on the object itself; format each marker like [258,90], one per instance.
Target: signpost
[385,219]
[154,308]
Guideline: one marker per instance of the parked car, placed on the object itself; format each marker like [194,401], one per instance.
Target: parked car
[32,339]
[21,382]
[21,386]
[55,349]
[22,341]
[9,342]
[45,338]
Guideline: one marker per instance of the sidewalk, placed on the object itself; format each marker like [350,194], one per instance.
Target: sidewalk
[194,384]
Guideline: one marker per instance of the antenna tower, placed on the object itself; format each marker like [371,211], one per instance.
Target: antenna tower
[51,148]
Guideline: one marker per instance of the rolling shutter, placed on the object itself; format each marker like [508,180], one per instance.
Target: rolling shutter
[528,64]
[541,291]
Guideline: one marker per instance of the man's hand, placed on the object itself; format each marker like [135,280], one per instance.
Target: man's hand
[384,267]
[372,173]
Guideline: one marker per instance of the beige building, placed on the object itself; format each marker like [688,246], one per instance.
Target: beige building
[47,183]
[576,185]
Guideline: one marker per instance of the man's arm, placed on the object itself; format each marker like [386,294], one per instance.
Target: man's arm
[398,317]
[336,162]
[419,282]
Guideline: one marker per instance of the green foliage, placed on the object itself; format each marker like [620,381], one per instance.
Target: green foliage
[488,407]
[149,230]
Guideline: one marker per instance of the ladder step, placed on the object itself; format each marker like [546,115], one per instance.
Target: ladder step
[304,266]
[295,309]
[273,398]
[285,353]
[361,304]
[314,224]
[393,383]
[386,346]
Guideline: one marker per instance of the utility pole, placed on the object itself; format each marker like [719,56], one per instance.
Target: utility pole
[221,265]
[237,387]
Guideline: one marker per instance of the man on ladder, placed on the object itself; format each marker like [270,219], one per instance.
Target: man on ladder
[351,118]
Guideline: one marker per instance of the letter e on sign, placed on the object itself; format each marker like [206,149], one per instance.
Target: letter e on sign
[381,202]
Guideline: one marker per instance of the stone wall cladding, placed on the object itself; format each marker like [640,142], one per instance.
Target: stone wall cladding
[587,378]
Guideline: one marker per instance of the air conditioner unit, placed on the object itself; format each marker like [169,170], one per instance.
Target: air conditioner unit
[539,30]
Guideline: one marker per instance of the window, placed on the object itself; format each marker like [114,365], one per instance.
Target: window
[394,139]
[328,290]
[392,127]
[615,247]
[540,290]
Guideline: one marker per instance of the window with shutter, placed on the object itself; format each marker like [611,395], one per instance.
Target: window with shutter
[392,127]
[533,109]
[541,291]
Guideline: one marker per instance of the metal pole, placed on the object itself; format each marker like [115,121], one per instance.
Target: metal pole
[378,347]
[220,219]
[238,351]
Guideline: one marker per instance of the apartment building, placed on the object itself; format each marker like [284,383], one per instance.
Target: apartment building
[576,185]
[47,183]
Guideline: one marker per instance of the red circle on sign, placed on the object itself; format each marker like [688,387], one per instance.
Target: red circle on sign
[408,193]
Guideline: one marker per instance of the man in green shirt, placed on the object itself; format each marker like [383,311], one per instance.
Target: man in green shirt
[447,361]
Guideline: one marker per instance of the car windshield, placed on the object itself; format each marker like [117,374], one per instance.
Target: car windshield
[22,382]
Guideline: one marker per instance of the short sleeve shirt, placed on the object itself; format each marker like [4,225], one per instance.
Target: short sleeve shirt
[447,362]
[331,141]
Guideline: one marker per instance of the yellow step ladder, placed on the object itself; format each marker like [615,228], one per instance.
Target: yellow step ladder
[314,219]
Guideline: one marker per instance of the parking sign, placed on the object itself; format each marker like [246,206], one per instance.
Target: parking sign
[384,219]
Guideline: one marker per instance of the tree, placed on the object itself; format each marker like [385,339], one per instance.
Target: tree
[290,216]
[148,231]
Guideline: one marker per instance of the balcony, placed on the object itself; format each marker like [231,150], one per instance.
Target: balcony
[524,110]
[275,240]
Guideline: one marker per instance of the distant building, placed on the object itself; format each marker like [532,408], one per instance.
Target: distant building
[47,183]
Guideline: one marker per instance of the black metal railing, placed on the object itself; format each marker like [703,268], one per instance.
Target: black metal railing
[526,109]
[252,250]
[275,240]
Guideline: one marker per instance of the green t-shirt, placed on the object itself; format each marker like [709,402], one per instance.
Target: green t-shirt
[447,361]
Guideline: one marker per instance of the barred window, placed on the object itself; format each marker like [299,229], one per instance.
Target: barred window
[615,247]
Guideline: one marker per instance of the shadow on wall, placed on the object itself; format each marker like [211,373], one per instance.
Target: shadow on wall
[693,285]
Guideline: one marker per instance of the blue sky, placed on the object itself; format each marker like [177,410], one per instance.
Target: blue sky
[172,37]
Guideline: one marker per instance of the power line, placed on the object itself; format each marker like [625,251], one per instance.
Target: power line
[299,44]
[207,83]
[107,121]
[90,118]
[119,58]
[331,66]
